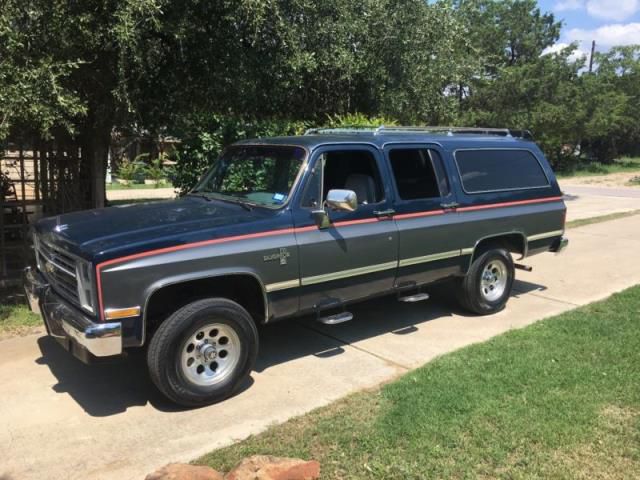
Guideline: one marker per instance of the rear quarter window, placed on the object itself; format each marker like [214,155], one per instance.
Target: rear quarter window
[499,170]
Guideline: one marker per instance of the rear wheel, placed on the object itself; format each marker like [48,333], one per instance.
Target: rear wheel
[203,352]
[487,286]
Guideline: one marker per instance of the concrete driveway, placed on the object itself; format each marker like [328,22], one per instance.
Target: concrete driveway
[60,419]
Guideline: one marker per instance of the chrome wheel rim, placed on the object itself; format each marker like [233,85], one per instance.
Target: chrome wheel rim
[210,354]
[493,281]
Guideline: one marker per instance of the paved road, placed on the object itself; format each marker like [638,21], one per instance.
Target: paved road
[621,192]
[586,201]
[60,419]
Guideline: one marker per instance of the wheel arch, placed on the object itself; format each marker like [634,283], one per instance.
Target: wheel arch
[514,242]
[225,284]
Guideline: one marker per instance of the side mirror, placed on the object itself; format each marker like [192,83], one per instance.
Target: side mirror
[339,200]
[342,200]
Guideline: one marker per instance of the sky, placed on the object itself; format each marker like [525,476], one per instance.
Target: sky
[608,22]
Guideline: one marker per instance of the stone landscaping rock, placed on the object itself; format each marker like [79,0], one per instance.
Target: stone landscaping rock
[180,471]
[264,467]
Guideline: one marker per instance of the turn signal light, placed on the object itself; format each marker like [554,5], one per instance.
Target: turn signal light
[118,313]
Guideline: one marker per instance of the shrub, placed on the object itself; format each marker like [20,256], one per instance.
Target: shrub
[155,171]
[127,170]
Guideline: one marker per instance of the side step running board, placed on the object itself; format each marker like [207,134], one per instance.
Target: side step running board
[416,297]
[336,318]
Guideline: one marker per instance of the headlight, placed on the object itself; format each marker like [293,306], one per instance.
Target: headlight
[85,290]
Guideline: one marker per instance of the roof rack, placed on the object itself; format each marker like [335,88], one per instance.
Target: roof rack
[450,131]
[348,129]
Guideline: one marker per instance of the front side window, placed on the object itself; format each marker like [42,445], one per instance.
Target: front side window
[262,174]
[499,170]
[355,170]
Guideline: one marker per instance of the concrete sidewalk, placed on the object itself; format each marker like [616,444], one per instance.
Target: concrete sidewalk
[60,419]
[141,193]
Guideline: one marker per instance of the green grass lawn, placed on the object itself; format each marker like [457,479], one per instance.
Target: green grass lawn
[585,169]
[17,319]
[602,218]
[136,186]
[558,399]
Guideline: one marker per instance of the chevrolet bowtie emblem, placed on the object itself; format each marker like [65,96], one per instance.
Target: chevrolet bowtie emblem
[49,268]
[282,255]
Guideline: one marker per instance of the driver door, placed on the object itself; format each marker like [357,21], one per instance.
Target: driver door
[356,256]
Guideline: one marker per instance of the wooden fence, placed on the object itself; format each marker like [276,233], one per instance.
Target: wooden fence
[37,179]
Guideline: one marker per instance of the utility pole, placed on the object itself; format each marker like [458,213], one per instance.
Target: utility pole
[593,50]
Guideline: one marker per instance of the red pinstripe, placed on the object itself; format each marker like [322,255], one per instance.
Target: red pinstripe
[159,251]
[282,231]
[402,216]
[508,204]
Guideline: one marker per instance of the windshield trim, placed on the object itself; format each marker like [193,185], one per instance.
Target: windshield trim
[294,185]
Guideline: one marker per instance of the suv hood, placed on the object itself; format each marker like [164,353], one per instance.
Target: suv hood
[125,229]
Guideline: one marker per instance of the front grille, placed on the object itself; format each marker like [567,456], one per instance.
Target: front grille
[60,269]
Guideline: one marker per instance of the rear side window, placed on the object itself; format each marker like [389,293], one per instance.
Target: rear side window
[416,171]
[499,170]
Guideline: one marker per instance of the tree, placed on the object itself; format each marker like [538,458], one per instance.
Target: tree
[507,33]
[33,94]
[543,96]
[64,73]
[612,94]
[501,34]
[412,62]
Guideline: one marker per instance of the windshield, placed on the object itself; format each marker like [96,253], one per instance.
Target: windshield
[261,175]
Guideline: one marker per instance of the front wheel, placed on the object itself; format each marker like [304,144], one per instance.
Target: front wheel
[487,286]
[203,352]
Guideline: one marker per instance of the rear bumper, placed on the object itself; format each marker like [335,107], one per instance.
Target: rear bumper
[560,244]
[74,330]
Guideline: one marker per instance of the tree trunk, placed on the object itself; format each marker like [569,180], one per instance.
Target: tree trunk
[95,143]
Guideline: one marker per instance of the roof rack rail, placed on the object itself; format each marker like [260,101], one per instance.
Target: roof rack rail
[503,132]
[348,129]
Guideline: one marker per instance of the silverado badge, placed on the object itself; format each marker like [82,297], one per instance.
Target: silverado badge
[282,255]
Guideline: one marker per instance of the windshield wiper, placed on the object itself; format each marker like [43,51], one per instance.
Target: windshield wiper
[235,200]
[199,195]
[224,198]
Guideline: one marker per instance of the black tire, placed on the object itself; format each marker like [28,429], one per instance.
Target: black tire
[165,351]
[470,290]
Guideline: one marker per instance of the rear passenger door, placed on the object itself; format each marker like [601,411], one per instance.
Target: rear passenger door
[424,214]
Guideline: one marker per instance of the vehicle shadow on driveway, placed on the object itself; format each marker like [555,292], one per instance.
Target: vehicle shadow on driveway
[288,340]
[523,287]
[101,389]
[111,388]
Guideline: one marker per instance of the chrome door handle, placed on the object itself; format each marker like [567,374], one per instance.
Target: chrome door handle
[449,206]
[384,213]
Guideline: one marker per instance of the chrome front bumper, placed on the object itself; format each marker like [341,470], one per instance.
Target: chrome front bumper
[74,330]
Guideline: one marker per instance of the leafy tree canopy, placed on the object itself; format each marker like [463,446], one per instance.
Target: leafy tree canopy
[75,71]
